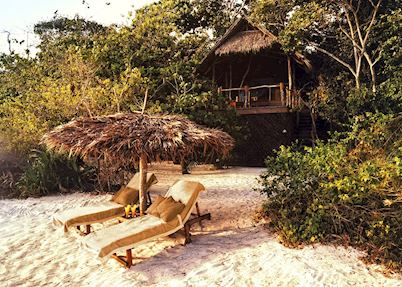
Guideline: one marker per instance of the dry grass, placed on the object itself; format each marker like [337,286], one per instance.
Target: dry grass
[245,42]
[120,139]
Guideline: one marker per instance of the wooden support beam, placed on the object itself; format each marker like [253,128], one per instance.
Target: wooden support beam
[290,81]
[246,96]
[126,261]
[283,93]
[290,73]
[206,216]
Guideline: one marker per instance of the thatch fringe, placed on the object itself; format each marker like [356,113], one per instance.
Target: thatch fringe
[121,139]
[246,42]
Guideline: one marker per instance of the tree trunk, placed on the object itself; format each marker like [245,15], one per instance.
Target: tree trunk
[143,180]
[357,80]
[373,74]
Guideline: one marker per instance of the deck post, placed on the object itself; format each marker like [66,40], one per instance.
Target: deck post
[290,82]
[282,92]
[246,96]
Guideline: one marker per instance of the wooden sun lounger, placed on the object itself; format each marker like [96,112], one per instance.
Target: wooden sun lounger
[127,260]
[103,211]
[131,233]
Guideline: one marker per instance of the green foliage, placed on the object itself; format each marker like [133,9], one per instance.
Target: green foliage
[349,187]
[73,90]
[50,173]
[273,14]
[216,15]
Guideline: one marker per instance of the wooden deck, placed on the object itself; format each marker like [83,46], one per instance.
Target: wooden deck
[262,110]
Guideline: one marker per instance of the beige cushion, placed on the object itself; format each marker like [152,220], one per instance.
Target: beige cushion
[117,193]
[88,214]
[167,209]
[183,190]
[129,194]
[135,181]
[171,211]
[154,205]
[126,195]
[186,192]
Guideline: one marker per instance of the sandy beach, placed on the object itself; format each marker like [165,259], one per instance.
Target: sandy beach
[230,250]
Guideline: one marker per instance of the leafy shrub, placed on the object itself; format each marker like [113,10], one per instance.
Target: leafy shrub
[49,173]
[349,188]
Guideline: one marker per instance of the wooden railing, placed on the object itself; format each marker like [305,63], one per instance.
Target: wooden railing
[243,97]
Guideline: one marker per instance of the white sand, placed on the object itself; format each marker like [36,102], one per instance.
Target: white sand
[229,251]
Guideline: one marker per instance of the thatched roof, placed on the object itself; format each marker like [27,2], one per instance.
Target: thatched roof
[244,37]
[245,42]
[120,139]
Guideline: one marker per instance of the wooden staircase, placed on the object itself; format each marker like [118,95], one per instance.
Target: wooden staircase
[304,128]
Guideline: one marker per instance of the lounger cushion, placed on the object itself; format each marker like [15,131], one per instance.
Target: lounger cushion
[167,208]
[135,181]
[187,193]
[117,193]
[126,235]
[154,205]
[88,214]
[126,196]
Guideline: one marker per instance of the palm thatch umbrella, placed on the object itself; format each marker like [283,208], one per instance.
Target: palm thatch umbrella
[122,139]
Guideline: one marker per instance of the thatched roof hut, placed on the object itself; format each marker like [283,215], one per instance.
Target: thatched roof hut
[121,139]
[246,37]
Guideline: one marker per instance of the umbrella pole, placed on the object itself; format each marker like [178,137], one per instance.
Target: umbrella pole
[143,180]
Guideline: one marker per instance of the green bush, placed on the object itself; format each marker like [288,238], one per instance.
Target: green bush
[348,188]
[49,173]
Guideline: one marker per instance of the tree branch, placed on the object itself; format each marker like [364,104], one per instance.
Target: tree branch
[335,58]
[373,18]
